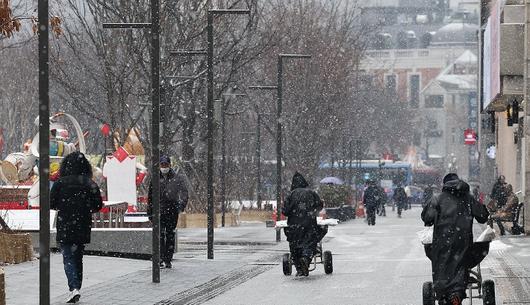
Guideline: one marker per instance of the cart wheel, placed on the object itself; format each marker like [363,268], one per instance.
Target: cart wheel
[287,265]
[488,292]
[328,262]
[428,293]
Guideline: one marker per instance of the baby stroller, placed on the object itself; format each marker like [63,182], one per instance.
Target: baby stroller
[485,290]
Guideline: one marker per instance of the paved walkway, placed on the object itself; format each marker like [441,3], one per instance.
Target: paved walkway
[246,268]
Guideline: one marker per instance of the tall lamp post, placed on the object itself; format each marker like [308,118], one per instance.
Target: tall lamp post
[44,155]
[154,27]
[223,152]
[258,143]
[210,124]
[281,57]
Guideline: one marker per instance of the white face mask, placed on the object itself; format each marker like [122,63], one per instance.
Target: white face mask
[164,170]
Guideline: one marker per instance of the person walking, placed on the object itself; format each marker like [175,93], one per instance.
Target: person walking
[498,193]
[371,200]
[452,213]
[303,233]
[75,197]
[400,199]
[382,201]
[427,195]
[173,200]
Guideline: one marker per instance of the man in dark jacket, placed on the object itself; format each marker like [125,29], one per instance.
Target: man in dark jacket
[452,213]
[371,200]
[301,208]
[75,197]
[173,200]
[400,199]
[498,192]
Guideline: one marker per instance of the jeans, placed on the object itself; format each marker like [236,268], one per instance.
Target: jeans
[168,223]
[73,264]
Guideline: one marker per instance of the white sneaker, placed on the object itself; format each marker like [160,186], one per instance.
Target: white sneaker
[74,296]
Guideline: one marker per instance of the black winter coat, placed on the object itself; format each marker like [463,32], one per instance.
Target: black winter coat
[75,198]
[301,208]
[452,213]
[173,194]
[372,197]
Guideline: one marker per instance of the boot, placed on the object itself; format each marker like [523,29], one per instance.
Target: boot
[304,266]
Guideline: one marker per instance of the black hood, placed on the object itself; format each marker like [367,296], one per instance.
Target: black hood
[456,187]
[75,164]
[298,182]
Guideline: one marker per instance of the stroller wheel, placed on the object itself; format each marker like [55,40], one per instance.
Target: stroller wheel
[428,293]
[287,265]
[488,292]
[328,262]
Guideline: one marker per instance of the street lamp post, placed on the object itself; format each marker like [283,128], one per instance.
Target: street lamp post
[44,155]
[154,27]
[258,144]
[279,134]
[223,154]
[210,119]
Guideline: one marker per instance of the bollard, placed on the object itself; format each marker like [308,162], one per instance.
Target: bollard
[2,287]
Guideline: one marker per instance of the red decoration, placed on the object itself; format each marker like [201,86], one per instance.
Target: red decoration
[121,154]
[470,137]
[105,129]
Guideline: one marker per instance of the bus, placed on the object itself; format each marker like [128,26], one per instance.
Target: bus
[398,172]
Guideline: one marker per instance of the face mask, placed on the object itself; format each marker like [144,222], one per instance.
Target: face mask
[164,170]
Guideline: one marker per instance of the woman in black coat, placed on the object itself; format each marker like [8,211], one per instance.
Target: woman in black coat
[75,197]
[452,213]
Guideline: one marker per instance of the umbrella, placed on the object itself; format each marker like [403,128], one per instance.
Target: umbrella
[332,180]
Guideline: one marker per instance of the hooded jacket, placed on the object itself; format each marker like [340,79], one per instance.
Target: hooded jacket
[452,213]
[75,197]
[301,208]
[173,194]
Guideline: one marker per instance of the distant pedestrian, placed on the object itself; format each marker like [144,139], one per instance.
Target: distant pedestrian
[371,201]
[75,197]
[427,195]
[498,193]
[452,213]
[303,233]
[400,199]
[382,201]
[173,200]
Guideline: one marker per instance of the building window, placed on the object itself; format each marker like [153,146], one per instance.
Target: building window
[414,84]
[391,83]
[434,101]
